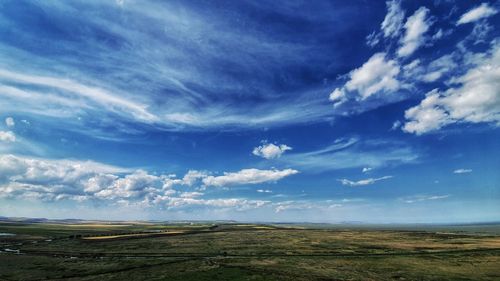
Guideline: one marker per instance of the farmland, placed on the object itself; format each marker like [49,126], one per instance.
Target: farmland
[232,251]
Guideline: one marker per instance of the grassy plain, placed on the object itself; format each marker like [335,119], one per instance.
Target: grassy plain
[229,251]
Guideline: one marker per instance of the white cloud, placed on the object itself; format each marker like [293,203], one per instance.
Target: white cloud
[92,95]
[135,185]
[462,171]
[264,191]
[480,32]
[7,136]
[99,182]
[429,115]
[475,99]
[293,205]
[270,151]
[366,169]
[192,176]
[52,180]
[395,125]
[192,194]
[352,153]
[9,121]
[248,176]
[363,182]
[377,75]
[438,35]
[477,13]
[420,198]
[412,69]
[416,26]
[25,169]
[304,205]
[439,67]
[372,39]
[393,21]
[237,203]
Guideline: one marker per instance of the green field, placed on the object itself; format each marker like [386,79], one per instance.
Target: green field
[230,251]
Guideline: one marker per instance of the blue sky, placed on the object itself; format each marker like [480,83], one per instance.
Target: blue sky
[323,111]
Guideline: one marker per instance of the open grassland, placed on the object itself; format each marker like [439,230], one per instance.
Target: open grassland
[154,251]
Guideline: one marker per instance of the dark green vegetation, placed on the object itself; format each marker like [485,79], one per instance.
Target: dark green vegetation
[204,251]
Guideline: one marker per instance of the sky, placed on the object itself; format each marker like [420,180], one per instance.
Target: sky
[291,111]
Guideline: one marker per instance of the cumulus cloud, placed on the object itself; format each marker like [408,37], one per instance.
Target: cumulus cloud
[462,171]
[482,11]
[429,115]
[192,194]
[270,150]
[415,28]
[363,182]
[474,99]
[192,176]
[248,176]
[377,75]
[9,121]
[52,180]
[135,185]
[7,136]
[393,21]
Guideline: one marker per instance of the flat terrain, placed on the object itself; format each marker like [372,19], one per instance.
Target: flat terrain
[230,251]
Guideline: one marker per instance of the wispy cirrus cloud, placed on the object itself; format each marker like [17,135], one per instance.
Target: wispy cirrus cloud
[352,153]
[362,182]
[462,171]
[393,21]
[212,71]
[422,198]
[100,97]
[482,11]
[415,28]
[305,205]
